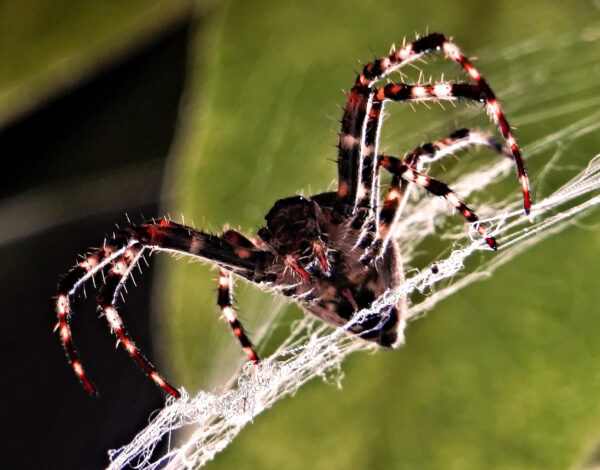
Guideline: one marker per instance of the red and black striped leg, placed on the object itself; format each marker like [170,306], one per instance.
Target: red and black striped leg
[460,139]
[225,302]
[387,218]
[350,150]
[68,286]
[121,251]
[427,153]
[495,111]
[441,92]
[242,260]
[369,186]
[391,210]
[366,216]
[352,146]
[360,100]
[107,297]
[368,190]
[452,91]
[438,188]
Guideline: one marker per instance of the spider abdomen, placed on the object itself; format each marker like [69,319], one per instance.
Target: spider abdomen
[352,290]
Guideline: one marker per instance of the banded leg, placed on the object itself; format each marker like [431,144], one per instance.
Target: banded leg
[390,212]
[441,91]
[460,139]
[426,154]
[368,188]
[225,294]
[436,187]
[73,280]
[404,92]
[429,153]
[360,101]
[225,302]
[161,236]
[354,120]
[107,297]
[389,215]
[366,216]
[244,261]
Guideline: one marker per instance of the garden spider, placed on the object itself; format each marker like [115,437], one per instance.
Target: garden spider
[333,253]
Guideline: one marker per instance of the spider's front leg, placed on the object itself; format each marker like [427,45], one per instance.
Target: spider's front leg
[93,264]
[122,253]
[368,187]
[107,298]
[459,140]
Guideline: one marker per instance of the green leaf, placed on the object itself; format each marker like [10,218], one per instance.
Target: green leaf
[49,46]
[504,374]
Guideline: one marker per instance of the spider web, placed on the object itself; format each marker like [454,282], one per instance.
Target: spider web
[314,350]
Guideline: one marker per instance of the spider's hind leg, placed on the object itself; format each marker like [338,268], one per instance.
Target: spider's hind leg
[395,198]
[120,254]
[225,302]
[461,139]
[94,263]
[436,187]
[107,298]
[242,246]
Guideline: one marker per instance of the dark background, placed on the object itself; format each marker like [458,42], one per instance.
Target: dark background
[115,122]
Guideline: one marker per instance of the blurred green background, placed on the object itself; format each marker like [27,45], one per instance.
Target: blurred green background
[503,374]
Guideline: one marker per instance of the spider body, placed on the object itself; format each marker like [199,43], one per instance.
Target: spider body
[310,245]
[333,253]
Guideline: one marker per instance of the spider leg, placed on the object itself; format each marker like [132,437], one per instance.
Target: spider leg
[163,235]
[107,298]
[225,302]
[242,259]
[357,149]
[225,292]
[442,92]
[368,189]
[388,216]
[460,139]
[436,187]
[366,216]
[69,284]
[395,199]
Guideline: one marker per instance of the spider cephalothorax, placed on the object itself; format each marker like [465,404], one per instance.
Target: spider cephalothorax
[332,253]
[295,229]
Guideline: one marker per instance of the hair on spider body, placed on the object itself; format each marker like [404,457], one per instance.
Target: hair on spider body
[309,244]
[332,253]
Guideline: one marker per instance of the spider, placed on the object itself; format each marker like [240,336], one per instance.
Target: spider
[333,253]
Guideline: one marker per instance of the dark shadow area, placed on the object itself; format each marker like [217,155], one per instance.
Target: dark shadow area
[123,117]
